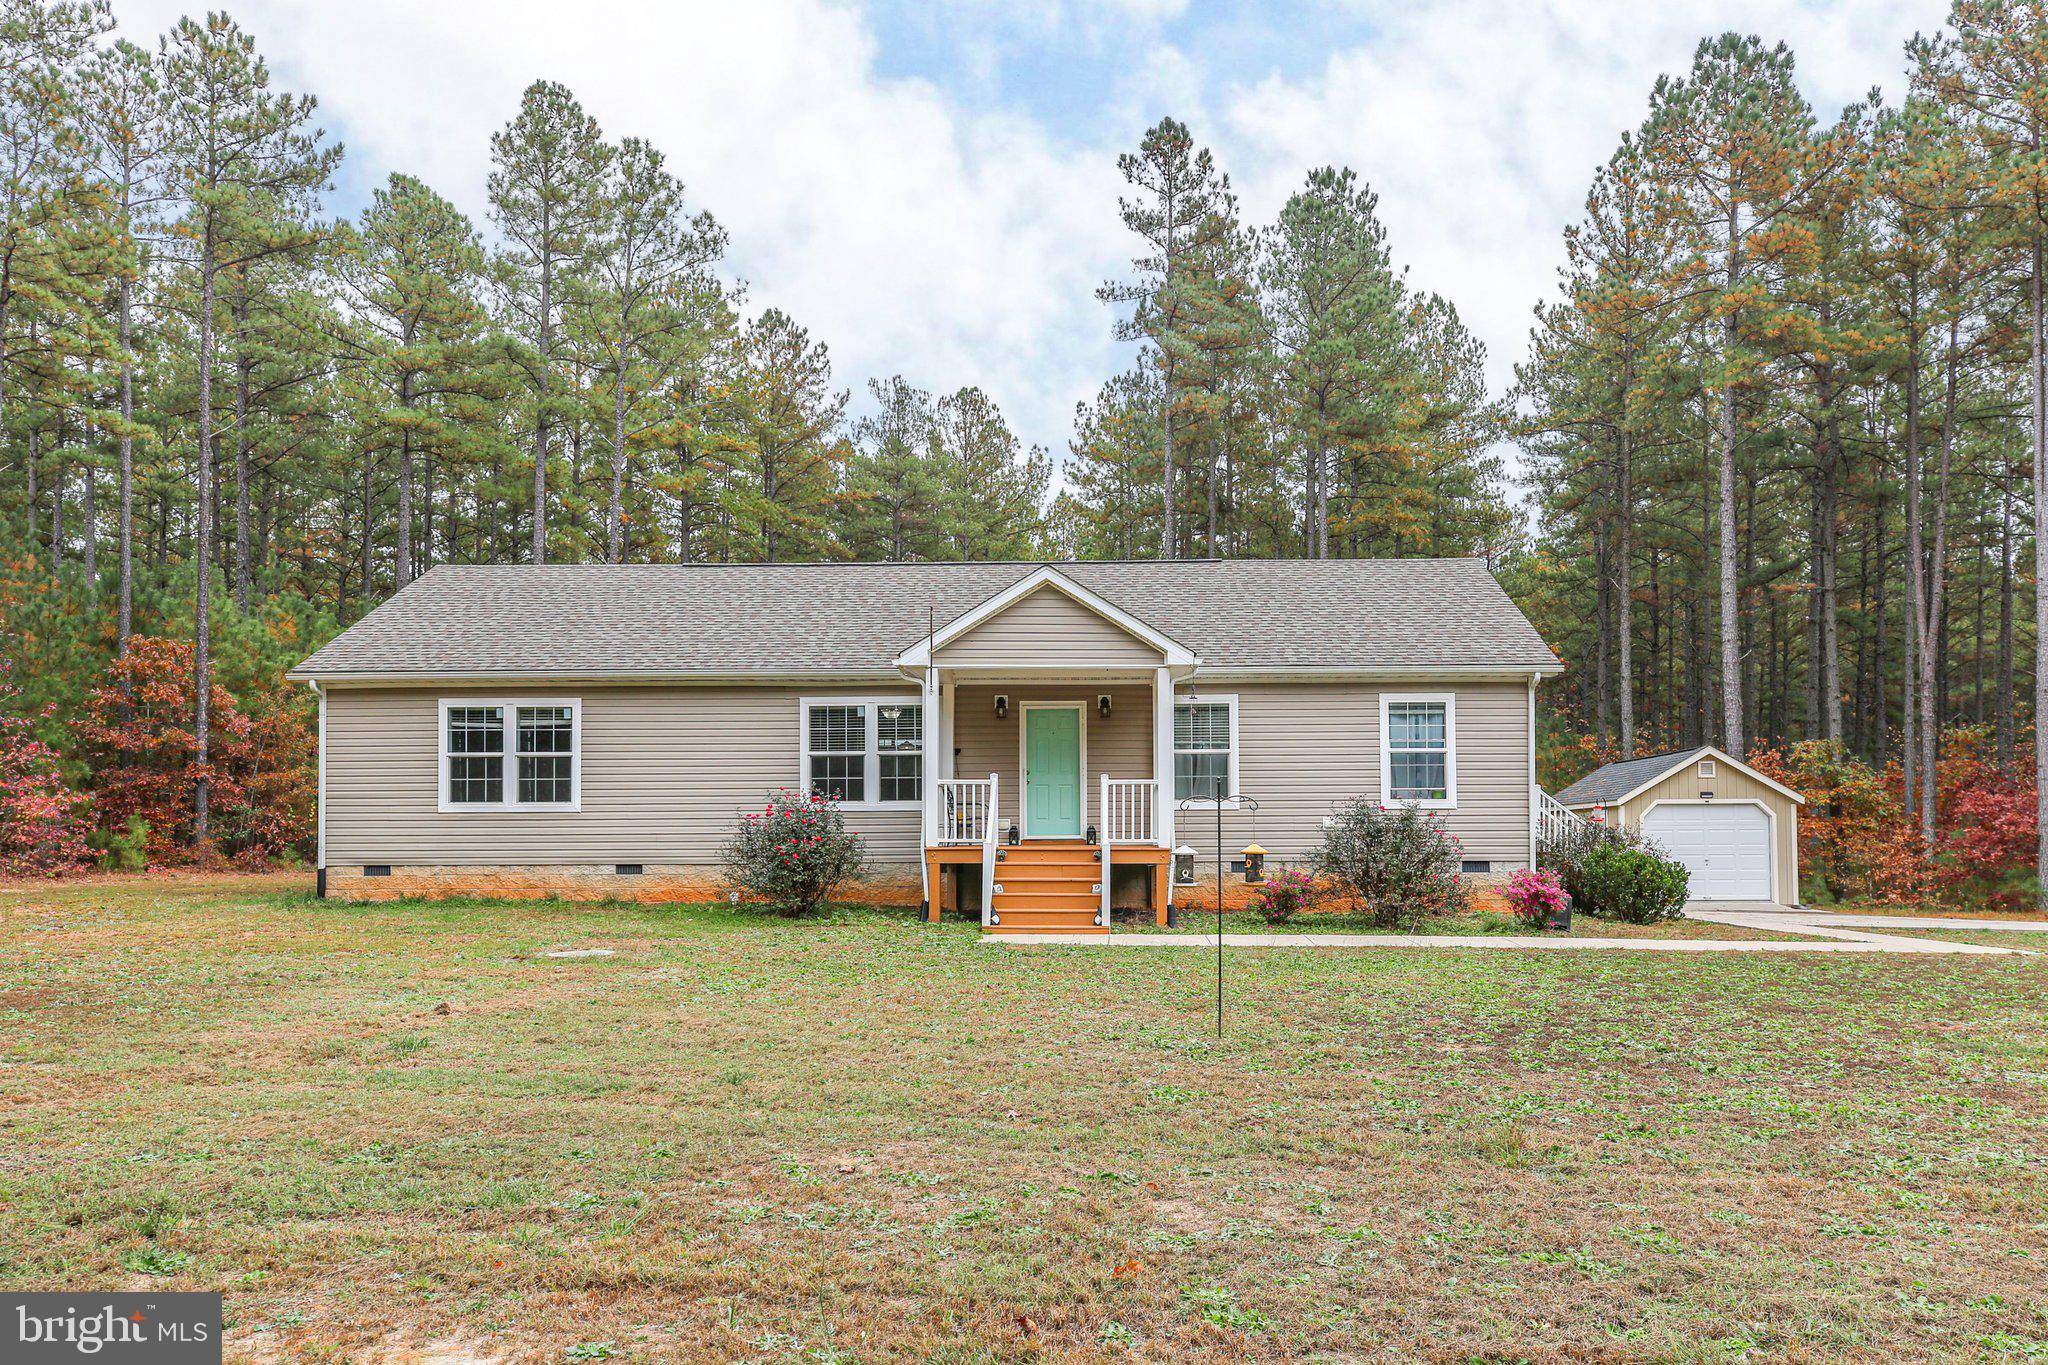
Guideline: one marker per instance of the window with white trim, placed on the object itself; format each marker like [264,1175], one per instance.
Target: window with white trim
[864,751]
[510,754]
[1205,748]
[1418,750]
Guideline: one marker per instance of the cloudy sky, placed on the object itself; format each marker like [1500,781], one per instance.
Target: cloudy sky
[931,185]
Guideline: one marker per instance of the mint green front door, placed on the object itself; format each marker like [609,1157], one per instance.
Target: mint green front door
[1052,772]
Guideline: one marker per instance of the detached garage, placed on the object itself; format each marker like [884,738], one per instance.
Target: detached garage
[1735,830]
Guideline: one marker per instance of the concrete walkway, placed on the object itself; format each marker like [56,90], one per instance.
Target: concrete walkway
[1840,941]
[1850,928]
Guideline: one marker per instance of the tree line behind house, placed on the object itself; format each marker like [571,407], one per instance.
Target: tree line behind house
[1775,422]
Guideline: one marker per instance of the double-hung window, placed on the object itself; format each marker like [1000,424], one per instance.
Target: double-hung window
[1205,748]
[512,754]
[1419,749]
[864,751]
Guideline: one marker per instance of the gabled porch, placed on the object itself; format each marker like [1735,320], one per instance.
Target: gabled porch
[1047,794]
[1062,818]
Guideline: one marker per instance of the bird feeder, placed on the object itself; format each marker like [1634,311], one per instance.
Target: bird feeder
[1184,866]
[1254,864]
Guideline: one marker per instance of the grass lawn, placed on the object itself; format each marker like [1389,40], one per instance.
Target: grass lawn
[400,1127]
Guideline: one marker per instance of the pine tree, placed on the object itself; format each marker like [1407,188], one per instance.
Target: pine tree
[238,152]
[424,368]
[548,169]
[1179,190]
[1333,304]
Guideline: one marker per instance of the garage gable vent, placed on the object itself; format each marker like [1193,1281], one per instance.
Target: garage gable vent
[1706,767]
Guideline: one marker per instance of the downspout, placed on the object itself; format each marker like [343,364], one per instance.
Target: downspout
[320,797]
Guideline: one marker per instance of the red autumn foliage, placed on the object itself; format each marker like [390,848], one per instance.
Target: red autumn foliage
[43,825]
[137,733]
[1858,838]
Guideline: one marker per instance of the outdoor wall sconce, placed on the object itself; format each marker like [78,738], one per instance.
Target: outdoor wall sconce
[1102,705]
[1184,865]
[1002,706]
[1254,864]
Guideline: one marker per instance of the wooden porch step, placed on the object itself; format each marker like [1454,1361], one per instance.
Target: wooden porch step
[1040,873]
[1046,922]
[1082,901]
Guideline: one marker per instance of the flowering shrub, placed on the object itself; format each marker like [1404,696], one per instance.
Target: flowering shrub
[1400,861]
[1536,896]
[793,854]
[43,829]
[1284,894]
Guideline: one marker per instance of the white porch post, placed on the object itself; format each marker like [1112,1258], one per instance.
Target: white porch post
[1162,753]
[945,727]
[932,773]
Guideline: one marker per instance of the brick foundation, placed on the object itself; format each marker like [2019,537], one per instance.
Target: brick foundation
[680,883]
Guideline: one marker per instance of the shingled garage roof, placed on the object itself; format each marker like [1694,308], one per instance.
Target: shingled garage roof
[795,619]
[1604,786]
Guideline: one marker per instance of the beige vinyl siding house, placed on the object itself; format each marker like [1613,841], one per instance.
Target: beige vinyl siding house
[998,734]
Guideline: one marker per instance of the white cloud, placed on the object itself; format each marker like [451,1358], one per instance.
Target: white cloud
[908,235]
[1480,124]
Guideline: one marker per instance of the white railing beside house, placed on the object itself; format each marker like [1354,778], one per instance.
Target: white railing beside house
[1129,816]
[967,811]
[1553,820]
[1127,810]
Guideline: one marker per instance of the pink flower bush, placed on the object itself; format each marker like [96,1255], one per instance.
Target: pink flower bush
[792,855]
[1536,896]
[1283,894]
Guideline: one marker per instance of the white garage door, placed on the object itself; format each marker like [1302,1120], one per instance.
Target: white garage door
[1727,849]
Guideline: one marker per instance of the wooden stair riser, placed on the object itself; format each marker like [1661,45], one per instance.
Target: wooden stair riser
[1075,920]
[1072,904]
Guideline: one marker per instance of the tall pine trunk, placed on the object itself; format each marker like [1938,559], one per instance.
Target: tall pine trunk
[2037,374]
[401,570]
[126,626]
[202,653]
[244,366]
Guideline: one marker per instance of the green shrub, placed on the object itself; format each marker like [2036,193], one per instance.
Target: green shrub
[125,849]
[1633,885]
[793,854]
[1566,854]
[1400,861]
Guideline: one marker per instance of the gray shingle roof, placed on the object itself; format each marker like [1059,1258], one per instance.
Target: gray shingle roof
[659,619]
[1606,785]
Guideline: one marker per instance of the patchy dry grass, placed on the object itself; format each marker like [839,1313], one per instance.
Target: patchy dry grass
[399,1128]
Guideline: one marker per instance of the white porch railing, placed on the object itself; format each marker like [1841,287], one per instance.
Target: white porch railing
[1553,820]
[967,811]
[1127,811]
[1129,816]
